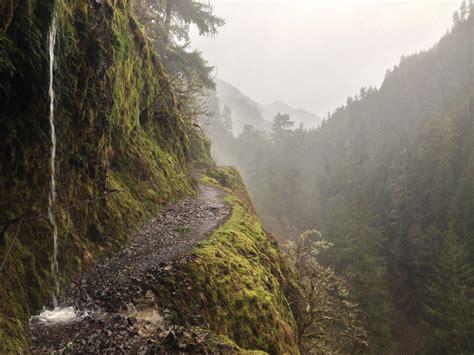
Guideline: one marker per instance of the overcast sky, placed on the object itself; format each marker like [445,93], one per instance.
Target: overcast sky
[314,53]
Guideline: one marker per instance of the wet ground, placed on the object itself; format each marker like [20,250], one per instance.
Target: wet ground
[116,310]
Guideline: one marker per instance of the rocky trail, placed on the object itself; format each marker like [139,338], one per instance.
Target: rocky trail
[116,310]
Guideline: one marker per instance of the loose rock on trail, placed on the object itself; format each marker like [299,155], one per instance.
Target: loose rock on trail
[116,309]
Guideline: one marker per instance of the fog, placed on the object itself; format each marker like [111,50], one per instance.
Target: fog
[314,54]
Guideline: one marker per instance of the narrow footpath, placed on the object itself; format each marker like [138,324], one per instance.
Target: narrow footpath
[115,308]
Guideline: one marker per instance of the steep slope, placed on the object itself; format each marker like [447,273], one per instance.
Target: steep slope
[118,126]
[392,159]
[397,158]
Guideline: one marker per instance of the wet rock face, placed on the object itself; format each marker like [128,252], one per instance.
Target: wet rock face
[118,310]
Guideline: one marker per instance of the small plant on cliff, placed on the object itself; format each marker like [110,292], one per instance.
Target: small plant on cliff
[327,321]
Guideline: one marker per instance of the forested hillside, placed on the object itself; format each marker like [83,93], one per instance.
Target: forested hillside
[388,179]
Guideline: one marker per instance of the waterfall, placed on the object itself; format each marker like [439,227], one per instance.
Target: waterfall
[52,193]
[58,314]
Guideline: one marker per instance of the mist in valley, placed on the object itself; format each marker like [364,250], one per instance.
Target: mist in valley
[355,119]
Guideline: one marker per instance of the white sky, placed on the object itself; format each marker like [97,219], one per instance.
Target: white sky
[314,53]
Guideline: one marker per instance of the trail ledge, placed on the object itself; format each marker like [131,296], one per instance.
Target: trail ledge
[116,309]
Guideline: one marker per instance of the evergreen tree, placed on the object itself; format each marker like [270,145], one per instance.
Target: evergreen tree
[282,122]
[456,18]
[168,24]
[226,117]
[463,11]
[449,299]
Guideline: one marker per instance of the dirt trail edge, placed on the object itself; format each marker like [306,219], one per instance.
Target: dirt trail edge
[117,310]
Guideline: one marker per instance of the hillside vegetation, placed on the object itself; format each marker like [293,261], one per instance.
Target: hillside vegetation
[387,179]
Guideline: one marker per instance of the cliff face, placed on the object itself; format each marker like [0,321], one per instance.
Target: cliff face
[118,126]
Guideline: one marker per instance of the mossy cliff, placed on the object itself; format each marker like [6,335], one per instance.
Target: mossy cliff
[234,283]
[118,126]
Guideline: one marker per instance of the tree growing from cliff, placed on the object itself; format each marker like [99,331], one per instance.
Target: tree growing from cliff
[168,23]
[328,322]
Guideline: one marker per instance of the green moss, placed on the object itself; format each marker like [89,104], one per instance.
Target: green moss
[233,286]
[199,147]
[12,335]
[229,177]
[118,127]
[237,265]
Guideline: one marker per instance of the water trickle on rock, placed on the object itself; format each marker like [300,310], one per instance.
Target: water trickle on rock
[58,314]
[52,194]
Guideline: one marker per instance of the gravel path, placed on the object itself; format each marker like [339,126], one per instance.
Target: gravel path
[117,311]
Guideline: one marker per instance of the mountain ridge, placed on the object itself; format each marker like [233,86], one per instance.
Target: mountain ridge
[247,111]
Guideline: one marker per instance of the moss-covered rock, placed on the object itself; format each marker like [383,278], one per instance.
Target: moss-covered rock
[118,127]
[233,284]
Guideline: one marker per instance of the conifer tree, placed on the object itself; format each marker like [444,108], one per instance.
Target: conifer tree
[226,117]
[449,299]
[463,11]
[168,22]
[456,17]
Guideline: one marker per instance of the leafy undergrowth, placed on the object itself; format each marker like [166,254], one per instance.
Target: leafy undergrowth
[233,283]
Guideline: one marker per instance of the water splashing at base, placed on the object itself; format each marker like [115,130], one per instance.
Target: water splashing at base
[57,315]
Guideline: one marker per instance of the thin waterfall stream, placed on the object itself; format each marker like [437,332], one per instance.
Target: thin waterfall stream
[58,314]
[52,193]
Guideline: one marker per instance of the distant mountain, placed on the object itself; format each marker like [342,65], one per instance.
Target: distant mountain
[246,111]
[299,115]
